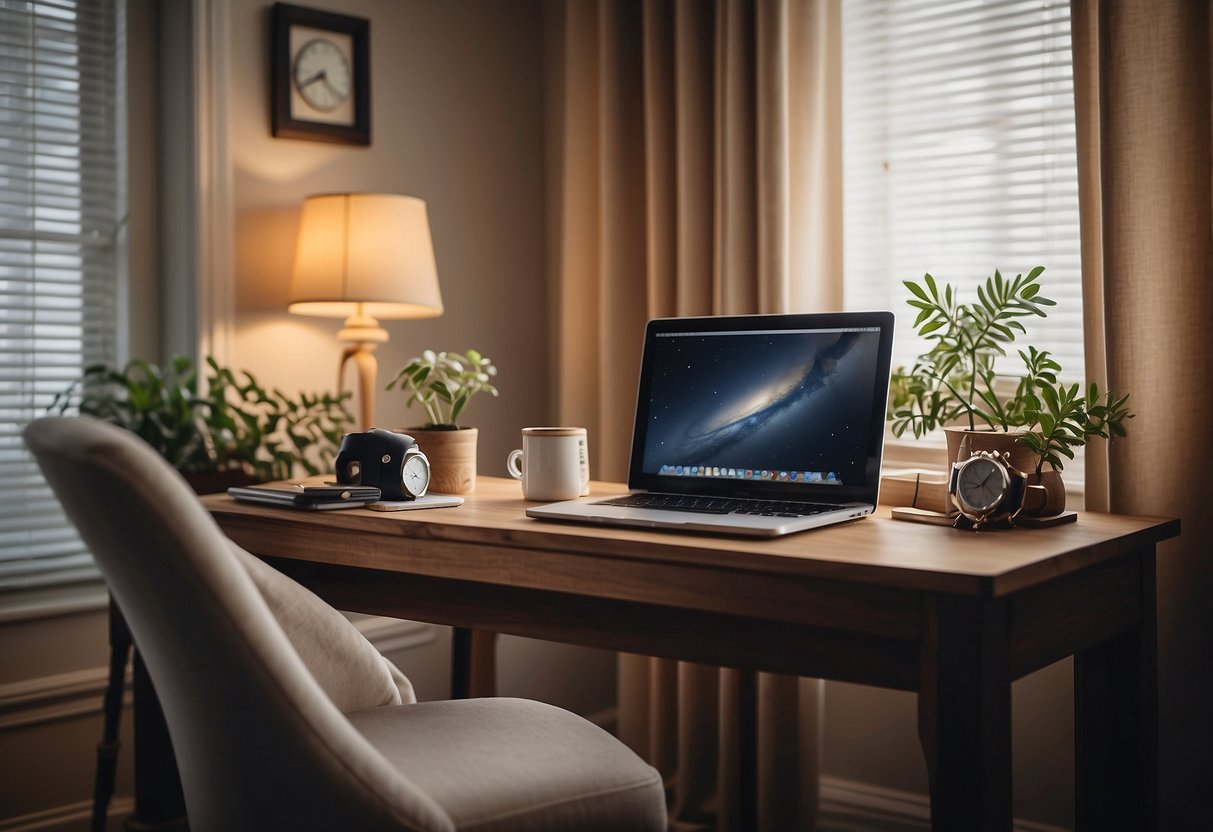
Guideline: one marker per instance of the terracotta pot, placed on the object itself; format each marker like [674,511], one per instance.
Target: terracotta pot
[452,456]
[216,482]
[1055,503]
[1021,457]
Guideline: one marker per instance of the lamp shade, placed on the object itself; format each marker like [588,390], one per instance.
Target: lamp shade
[365,254]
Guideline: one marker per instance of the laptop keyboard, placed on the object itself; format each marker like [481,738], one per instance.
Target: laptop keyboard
[718,505]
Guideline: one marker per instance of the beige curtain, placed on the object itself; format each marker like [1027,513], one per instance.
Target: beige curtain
[695,171]
[1142,79]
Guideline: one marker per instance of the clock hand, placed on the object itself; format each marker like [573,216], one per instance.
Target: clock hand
[319,76]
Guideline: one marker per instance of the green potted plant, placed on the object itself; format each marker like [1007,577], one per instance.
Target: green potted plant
[954,384]
[232,432]
[443,383]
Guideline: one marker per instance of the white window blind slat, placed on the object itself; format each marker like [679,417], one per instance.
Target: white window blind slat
[959,156]
[60,207]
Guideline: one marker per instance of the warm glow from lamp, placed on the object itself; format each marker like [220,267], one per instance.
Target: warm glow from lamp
[363,257]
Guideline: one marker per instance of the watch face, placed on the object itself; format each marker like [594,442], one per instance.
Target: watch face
[322,74]
[416,474]
[982,484]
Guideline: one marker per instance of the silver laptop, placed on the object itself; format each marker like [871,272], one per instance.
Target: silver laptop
[753,425]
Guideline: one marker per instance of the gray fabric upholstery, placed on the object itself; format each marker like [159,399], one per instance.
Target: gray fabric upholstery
[346,665]
[259,743]
[527,759]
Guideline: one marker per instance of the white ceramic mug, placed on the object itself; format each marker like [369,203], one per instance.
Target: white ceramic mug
[553,463]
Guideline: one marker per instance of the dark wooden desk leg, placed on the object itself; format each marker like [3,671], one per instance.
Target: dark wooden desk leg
[747,749]
[461,662]
[484,663]
[737,804]
[473,663]
[1116,724]
[964,713]
[107,749]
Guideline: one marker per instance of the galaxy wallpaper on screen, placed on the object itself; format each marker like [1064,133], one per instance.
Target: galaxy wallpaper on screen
[782,402]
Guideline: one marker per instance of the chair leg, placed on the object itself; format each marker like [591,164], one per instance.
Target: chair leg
[107,749]
[159,800]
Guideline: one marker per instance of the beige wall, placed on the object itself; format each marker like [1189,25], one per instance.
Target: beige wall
[457,119]
[457,104]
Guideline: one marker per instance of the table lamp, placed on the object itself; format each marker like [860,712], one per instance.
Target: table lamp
[364,257]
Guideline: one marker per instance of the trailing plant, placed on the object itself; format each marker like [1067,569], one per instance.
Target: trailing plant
[444,382]
[234,424]
[955,381]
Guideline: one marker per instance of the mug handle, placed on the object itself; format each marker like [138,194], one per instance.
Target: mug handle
[513,464]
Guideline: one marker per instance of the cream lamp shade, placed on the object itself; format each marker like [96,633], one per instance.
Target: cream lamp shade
[367,254]
[363,257]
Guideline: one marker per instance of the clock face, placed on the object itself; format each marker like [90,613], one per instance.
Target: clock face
[416,475]
[322,74]
[982,484]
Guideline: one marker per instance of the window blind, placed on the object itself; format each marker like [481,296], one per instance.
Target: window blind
[959,158]
[59,207]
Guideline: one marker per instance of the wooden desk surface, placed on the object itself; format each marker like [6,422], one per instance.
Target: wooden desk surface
[876,550]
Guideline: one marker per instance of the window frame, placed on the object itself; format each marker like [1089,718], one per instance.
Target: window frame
[1054,85]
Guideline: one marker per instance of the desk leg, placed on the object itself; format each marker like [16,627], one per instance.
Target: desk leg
[737,765]
[747,748]
[964,713]
[1116,724]
[473,663]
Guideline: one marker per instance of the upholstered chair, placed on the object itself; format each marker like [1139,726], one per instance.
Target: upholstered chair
[282,716]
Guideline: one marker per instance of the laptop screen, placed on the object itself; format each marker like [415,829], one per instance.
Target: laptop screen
[787,406]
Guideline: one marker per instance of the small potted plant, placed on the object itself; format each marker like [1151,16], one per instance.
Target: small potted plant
[232,433]
[954,384]
[443,383]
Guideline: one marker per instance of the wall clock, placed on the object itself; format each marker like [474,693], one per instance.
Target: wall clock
[320,84]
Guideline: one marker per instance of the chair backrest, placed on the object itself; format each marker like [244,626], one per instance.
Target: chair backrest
[258,743]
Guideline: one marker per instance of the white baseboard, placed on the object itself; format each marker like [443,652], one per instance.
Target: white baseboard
[846,806]
[69,818]
[851,806]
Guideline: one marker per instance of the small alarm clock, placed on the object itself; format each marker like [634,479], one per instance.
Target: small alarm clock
[391,461]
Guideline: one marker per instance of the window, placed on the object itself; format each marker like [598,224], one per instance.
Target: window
[60,196]
[959,157]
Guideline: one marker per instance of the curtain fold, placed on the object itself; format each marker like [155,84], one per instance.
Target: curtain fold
[697,170]
[1142,93]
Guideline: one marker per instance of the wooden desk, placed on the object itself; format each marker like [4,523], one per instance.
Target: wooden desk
[954,616]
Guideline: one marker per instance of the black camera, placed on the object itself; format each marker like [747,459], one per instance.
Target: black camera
[390,461]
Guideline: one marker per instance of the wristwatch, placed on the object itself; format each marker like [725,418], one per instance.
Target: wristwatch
[985,488]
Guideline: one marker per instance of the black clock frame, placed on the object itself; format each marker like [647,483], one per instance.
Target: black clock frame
[283,16]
